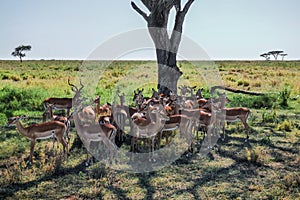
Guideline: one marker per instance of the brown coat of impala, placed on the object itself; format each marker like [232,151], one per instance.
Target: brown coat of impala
[41,131]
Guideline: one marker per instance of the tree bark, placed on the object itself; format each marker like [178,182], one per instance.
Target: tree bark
[166,46]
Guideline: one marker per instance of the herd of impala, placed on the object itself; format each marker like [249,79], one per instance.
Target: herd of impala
[150,118]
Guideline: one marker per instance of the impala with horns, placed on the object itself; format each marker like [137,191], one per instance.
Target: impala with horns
[64,103]
[52,129]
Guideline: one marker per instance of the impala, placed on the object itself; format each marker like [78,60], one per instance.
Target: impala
[182,122]
[52,129]
[62,119]
[104,132]
[64,103]
[204,118]
[148,126]
[139,99]
[233,115]
[119,116]
[213,103]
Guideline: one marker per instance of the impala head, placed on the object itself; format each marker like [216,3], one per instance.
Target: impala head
[104,120]
[192,90]
[50,107]
[137,115]
[172,96]
[138,94]
[222,100]
[97,99]
[183,90]
[199,93]
[160,110]
[14,120]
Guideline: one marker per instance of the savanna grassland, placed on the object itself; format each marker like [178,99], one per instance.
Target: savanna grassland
[266,167]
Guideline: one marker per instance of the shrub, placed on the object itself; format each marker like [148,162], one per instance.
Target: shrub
[15,99]
[3,119]
[284,95]
[239,83]
[269,116]
[292,179]
[285,126]
[243,83]
[257,84]
[265,101]
[246,83]
[257,155]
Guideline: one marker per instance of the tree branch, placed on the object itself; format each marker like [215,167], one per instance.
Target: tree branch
[148,4]
[177,30]
[187,7]
[138,10]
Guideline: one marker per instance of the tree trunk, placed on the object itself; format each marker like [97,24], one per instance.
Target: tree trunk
[212,91]
[166,46]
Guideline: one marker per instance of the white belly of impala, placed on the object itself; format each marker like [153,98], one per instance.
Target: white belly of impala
[45,135]
[232,119]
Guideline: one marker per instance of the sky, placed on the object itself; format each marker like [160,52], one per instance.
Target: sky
[73,29]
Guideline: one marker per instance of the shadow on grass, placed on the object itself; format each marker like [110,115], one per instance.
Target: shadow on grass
[9,190]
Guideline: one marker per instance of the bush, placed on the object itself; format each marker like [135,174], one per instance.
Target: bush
[292,179]
[269,116]
[285,126]
[15,99]
[258,155]
[3,119]
[265,101]
[284,95]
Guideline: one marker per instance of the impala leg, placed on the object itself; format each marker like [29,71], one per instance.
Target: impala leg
[223,130]
[87,162]
[151,153]
[167,137]
[68,112]
[133,144]
[247,128]
[195,127]
[68,125]
[209,137]
[65,146]
[32,144]
[159,136]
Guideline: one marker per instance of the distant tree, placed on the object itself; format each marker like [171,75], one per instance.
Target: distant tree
[266,56]
[19,51]
[275,53]
[283,55]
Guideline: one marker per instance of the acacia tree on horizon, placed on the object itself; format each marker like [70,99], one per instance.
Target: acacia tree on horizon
[18,52]
[275,54]
[266,56]
[166,45]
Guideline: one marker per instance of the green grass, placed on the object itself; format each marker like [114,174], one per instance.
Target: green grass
[265,168]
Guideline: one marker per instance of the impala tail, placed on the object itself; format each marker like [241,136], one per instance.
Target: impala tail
[248,115]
